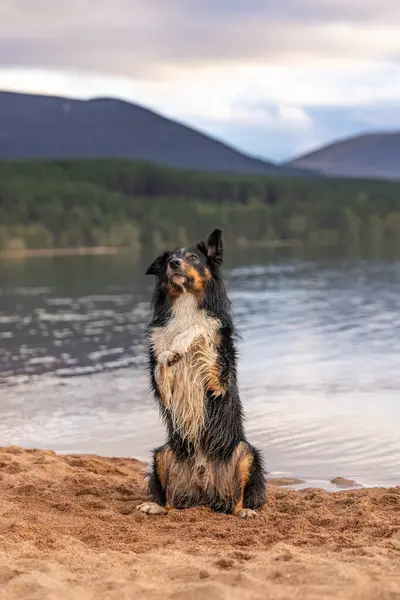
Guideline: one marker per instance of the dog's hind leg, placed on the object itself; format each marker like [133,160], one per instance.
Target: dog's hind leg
[252,484]
[255,489]
[158,483]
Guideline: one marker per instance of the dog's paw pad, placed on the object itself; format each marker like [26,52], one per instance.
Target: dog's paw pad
[168,358]
[175,358]
[151,508]
[247,513]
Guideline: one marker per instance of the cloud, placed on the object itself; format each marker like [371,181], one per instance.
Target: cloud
[263,75]
[131,37]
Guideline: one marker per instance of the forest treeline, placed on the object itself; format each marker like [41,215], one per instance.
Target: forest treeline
[74,203]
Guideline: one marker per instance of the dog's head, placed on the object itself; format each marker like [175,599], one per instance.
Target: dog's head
[189,269]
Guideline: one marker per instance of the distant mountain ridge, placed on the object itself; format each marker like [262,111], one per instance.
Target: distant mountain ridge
[370,155]
[49,127]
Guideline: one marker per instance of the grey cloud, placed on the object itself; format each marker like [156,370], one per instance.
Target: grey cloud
[136,38]
[316,11]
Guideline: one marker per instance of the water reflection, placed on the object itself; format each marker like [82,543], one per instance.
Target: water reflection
[319,368]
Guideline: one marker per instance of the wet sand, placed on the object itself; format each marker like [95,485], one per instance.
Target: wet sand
[69,530]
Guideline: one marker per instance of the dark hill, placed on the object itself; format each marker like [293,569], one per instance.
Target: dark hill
[372,156]
[48,127]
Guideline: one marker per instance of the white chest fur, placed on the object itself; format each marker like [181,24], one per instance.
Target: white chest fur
[192,334]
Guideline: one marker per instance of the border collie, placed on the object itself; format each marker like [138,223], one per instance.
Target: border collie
[192,362]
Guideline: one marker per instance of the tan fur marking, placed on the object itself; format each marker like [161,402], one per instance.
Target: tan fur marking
[198,280]
[244,467]
[163,462]
[174,291]
[214,383]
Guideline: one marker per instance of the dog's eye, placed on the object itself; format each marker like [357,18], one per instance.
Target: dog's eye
[192,257]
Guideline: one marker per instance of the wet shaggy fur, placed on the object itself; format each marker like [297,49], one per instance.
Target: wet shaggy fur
[192,362]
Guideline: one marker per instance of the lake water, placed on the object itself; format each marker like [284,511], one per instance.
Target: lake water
[319,362]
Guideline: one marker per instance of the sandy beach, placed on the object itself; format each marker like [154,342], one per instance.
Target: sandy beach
[69,530]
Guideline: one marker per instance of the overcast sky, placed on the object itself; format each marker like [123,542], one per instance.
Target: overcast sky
[272,77]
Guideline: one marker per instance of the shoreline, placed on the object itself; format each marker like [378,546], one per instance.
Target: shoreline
[23,253]
[69,530]
[50,252]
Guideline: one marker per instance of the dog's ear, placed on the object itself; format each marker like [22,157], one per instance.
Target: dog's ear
[215,249]
[158,266]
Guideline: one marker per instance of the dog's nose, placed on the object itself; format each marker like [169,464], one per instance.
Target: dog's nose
[175,263]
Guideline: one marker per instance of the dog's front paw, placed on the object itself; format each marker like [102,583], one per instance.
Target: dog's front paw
[151,508]
[247,513]
[168,358]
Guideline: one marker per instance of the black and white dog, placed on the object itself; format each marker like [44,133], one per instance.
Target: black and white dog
[192,360]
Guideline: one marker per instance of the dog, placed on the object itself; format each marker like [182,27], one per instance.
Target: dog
[192,363]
